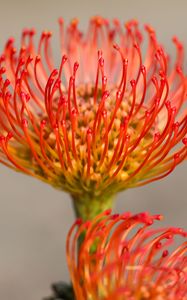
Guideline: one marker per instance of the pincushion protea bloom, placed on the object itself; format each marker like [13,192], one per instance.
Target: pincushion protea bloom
[121,258]
[108,118]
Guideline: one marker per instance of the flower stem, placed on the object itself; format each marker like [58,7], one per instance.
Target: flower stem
[87,207]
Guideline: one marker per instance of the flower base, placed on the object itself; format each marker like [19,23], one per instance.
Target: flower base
[61,291]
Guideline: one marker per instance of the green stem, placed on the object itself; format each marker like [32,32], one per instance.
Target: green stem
[87,207]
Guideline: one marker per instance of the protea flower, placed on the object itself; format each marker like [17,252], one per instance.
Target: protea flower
[121,258]
[108,118]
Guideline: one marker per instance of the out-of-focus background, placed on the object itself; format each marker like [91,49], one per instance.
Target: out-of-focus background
[34,218]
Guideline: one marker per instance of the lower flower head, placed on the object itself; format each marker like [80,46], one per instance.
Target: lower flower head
[120,257]
[108,118]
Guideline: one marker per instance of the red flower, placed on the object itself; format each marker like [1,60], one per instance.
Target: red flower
[121,258]
[109,118]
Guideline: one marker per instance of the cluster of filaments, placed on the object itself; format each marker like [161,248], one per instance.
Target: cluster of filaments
[121,258]
[106,116]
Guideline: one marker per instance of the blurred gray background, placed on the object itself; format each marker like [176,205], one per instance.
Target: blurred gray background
[34,218]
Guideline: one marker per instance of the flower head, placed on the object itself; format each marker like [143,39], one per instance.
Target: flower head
[121,258]
[110,117]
